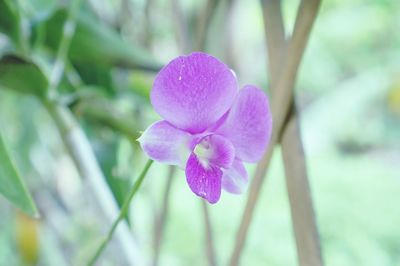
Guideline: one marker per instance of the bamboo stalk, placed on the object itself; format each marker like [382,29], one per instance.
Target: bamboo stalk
[280,106]
[303,218]
[302,212]
[275,37]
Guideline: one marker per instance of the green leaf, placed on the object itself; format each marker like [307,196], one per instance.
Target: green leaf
[98,76]
[9,20]
[20,74]
[11,185]
[97,43]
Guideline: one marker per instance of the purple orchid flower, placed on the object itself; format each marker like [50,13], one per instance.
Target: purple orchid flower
[210,128]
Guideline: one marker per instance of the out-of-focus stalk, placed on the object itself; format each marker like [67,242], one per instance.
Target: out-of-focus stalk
[211,254]
[204,23]
[161,219]
[62,52]
[181,27]
[81,153]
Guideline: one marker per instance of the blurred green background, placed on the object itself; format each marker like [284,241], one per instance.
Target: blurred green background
[348,94]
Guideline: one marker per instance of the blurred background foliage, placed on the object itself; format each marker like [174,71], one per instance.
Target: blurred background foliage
[348,92]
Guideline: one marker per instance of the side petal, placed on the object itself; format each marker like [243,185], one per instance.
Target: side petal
[249,124]
[192,92]
[235,180]
[164,143]
[204,181]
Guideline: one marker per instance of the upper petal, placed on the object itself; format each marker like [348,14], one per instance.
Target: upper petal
[192,92]
[235,180]
[164,143]
[248,124]
[204,181]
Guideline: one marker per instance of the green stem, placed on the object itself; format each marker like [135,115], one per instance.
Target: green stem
[123,212]
[62,52]
[22,41]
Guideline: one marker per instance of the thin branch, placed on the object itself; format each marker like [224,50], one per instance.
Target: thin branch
[162,218]
[280,106]
[122,213]
[211,256]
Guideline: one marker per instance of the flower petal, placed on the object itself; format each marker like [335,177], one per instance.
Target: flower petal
[249,124]
[235,180]
[216,150]
[164,143]
[205,182]
[192,92]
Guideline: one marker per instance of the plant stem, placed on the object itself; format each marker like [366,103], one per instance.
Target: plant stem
[62,52]
[22,38]
[123,212]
